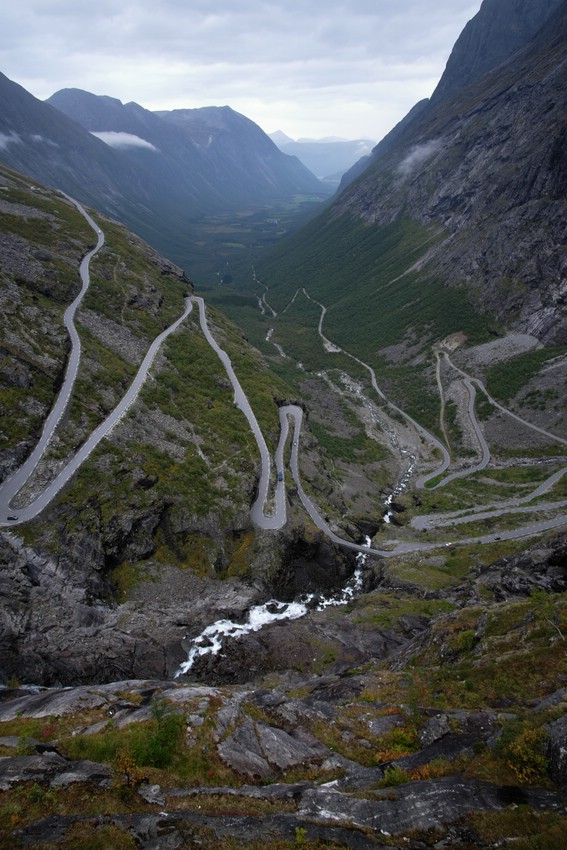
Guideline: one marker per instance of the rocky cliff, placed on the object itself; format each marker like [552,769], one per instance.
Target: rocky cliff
[500,29]
[466,195]
[450,734]
[488,167]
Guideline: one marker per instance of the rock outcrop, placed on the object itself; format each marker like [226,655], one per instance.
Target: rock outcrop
[356,807]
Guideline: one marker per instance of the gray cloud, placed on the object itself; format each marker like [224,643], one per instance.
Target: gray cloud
[417,156]
[350,69]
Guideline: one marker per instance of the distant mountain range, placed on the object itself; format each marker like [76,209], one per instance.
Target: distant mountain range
[158,173]
[327,158]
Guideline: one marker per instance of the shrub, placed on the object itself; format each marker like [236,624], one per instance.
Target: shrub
[522,749]
[156,745]
[394,776]
[526,757]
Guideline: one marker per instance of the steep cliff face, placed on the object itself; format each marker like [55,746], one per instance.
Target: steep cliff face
[500,28]
[487,167]
[497,31]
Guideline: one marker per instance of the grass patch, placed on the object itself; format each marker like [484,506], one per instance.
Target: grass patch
[521,828]
[383,610]
[505,380]
[357,448]
[517,656]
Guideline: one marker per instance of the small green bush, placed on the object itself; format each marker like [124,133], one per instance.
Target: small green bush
[522,748]
[157,745]
[394,776]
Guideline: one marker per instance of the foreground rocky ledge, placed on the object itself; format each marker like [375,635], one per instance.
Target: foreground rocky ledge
[303,763]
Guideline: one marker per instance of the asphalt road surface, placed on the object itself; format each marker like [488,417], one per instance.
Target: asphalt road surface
[269,510]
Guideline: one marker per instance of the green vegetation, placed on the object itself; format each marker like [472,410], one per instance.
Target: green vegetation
[50,237]
[521,828]
[327,256]
[357,448]
[383,610]
[389,303]
[505,380]
[488,487]
[185,444]
[225,246]
[510,659]
[412,389]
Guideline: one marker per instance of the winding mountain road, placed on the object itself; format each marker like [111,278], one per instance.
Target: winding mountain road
[426,435]
[10,516]
[437,520]
[269,510]
[278,518]
[16,481]
[501,407]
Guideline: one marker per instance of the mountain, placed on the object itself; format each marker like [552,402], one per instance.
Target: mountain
[144,170]
[219,158]
[39,140]
[329,158]
[500,28]
[388,667]
[180,460]
[436,674]
[467,198]
[166,699]
[497,31]
[280,138]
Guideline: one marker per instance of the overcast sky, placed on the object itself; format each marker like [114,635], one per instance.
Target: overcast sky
[312,68]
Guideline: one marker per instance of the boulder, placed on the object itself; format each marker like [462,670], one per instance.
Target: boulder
[260,750]
[52,768]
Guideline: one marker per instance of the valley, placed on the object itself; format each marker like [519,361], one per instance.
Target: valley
[283,489]
[121,582]
[434,479]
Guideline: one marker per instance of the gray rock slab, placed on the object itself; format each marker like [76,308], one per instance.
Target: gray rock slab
[418,805]
[435,728]
[276,790]
[51,768]
[557,751]
[83,771]
[385,723]
[52,703]
[152,794]
[14,741]
[188,694]
[285,751]
[36,768]
[241,751]
[161,831]
[227,716]
[557,698]
[447,747]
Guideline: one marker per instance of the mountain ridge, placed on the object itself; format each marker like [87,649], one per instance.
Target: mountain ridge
[163,186]
[498,30]
[485,171]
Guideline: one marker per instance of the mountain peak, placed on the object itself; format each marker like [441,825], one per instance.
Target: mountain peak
[497,31]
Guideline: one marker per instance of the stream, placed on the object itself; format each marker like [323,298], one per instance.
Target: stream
[211,639]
